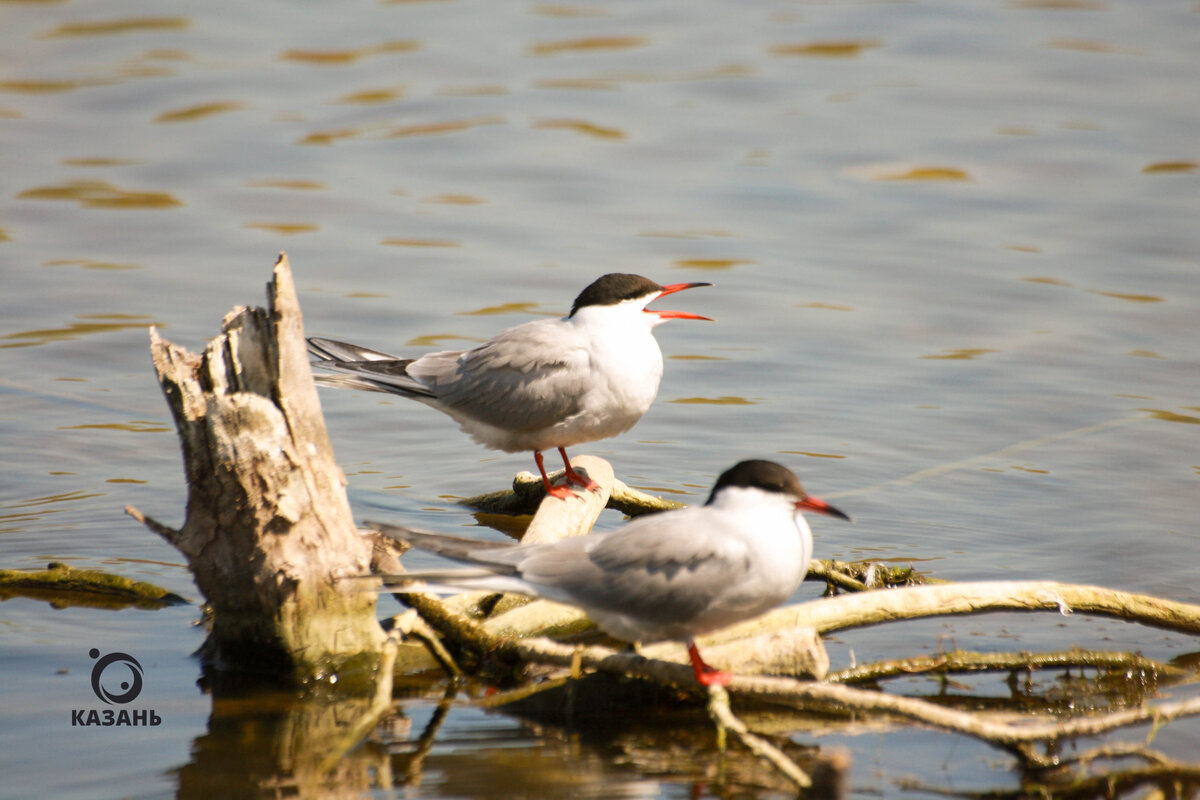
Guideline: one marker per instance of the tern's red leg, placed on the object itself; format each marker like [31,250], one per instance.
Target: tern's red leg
[706,675]
[574,477]
[561,492]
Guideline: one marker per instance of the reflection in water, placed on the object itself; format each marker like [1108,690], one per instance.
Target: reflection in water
[503,308]
[409,242]
[96,323]
[89,263]
[825,306]
[99,162]
[44,86]
[691,233]
[964,353]
[587,43]
[115,26]
[335,58]
[18,515]
[328,137]
[580,126]
[1048,281]
[833,48]
[927,174]
[133,426]
[1171,416]
[726,400]
[1171,166]
[262,743]
[711,263]
[454,200]
[298,185]
[1133,298]
[437,128]
[1094,46]
[192,113]
[100,194]
[283,228]
[372,96]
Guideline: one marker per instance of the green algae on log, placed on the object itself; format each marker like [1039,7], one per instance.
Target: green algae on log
[62,586]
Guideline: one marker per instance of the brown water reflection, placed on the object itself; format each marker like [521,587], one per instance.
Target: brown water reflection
[201,111]
[118,26]
[337,58]
[93,324]
[587,43]
[101,194]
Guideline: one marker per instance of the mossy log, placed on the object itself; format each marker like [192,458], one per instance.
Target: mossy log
[269,532]
[62,585]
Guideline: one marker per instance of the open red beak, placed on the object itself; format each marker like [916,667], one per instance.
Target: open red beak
[821,507]
[678,287]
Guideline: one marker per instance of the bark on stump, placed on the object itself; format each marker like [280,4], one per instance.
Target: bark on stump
[269,530]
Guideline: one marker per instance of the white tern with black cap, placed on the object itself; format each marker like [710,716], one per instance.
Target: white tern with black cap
[545,383]
[674,575]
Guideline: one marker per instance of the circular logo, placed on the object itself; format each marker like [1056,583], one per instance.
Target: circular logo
[129,689]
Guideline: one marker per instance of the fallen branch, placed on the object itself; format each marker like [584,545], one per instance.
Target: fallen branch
[835,698]
[63,585]
[527,493]
[722,715]
[958,661]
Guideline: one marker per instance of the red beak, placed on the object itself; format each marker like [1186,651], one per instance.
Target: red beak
[678,287]
[821,507]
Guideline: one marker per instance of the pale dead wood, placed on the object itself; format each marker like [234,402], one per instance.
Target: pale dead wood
[268,532]
[527,493]
[959,661]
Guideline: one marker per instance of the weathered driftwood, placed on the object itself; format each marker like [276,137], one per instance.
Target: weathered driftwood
[62,585]
[268,532]
[960,661]
[842,699]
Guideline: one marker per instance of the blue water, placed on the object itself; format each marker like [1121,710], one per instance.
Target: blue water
[954,248]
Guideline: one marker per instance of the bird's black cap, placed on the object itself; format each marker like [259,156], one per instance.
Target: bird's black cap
[759,474]
[613,288]
[771,477]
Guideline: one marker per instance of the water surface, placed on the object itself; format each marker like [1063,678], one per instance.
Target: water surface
[954,248]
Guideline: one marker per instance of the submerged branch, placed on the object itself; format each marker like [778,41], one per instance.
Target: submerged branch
[959,661]
[722,715]
[62,585]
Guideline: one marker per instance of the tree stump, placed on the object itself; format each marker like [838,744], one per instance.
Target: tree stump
[268,532]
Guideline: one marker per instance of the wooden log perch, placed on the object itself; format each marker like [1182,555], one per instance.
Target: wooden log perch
[268,532]
[526,494]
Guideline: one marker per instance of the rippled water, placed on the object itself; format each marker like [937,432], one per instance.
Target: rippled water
[955,251]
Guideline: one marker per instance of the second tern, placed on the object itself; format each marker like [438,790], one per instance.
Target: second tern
[674,575]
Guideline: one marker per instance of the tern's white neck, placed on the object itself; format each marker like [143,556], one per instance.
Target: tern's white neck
[627,315]
[748,499]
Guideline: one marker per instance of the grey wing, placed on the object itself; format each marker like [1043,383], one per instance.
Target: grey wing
[333,350]
[459,548]
[365,369]
[527,378]
[647,565]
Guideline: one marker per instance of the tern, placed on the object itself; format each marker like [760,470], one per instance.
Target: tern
[674,575]
[546,383]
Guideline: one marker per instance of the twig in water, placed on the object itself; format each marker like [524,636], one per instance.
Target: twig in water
[722,715]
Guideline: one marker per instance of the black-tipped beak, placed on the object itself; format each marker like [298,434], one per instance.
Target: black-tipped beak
[821,507]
